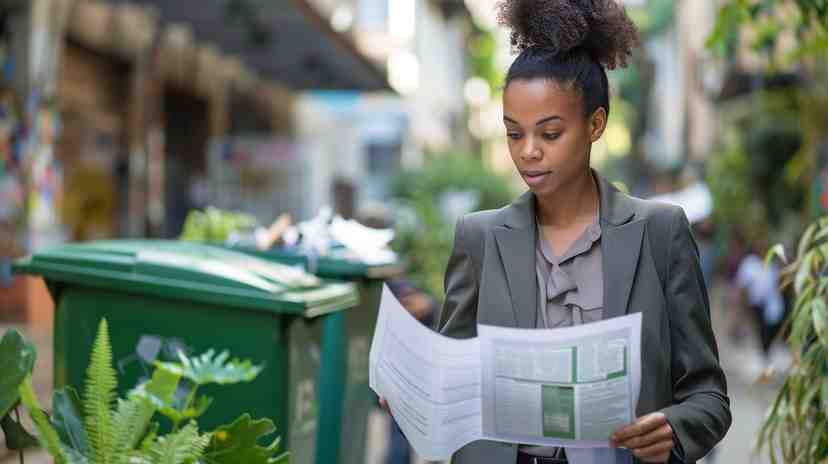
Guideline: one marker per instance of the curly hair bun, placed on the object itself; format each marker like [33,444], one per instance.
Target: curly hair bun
[599,27]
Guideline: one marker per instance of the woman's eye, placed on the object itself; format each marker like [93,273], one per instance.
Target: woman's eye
[551,136]
[513,135]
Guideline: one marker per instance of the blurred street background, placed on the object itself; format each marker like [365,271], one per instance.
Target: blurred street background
[312,124]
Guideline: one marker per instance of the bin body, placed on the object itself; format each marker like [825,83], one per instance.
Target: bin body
[154,308]
[357,399]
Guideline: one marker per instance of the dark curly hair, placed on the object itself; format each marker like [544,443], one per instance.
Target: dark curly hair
[569,41]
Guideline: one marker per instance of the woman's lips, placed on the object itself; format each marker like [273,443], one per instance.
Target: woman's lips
[534,178]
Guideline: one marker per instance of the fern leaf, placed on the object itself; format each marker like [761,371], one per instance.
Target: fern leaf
[99,396]
[46,434]
[149,440]
[129,424]
[183,447]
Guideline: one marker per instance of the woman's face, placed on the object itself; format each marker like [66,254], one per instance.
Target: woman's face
[548,135]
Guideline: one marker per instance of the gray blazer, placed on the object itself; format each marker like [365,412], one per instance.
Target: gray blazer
[651,265]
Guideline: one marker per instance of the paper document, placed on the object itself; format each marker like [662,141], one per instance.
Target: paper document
[567,387]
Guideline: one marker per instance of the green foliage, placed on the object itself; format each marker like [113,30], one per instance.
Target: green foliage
[214,225]
[99,396]
[653,18]
[68,421]
[46,434]
[238,442]
[182,447]
[17,438]
[769,19]
[483,50]
[427,244]
[796,425]
[735,199]
[126,434]
[17,357]
[209,368]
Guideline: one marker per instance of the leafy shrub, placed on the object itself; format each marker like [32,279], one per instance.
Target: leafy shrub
[103,429]
[427,244]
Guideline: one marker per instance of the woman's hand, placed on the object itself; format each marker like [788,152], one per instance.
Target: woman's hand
[650,438]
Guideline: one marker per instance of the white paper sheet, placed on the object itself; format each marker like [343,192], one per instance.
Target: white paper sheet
[567,387]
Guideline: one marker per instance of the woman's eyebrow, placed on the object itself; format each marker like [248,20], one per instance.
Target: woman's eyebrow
[542,121]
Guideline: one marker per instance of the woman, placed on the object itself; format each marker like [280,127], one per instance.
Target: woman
[573,249]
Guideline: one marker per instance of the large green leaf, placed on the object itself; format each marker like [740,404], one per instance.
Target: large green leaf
[208,368]
[17,357]
[160,390]
[17,438]
[193,411]
[239,442]
[47,436]
[68,422]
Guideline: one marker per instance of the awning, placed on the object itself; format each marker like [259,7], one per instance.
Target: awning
[283,40]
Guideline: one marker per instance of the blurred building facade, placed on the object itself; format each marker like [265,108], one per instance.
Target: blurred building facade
[120,116]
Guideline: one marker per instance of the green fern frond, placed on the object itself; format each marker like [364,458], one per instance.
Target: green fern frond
[46,434]
[183,447]
[129,424]
[99,396]
[149,440]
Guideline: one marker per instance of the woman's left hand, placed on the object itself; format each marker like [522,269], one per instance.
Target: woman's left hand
[650,438]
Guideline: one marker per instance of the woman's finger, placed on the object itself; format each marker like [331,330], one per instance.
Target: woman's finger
[663,433]
[642,426]
[659,452]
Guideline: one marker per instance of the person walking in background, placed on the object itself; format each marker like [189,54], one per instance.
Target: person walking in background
[759,285]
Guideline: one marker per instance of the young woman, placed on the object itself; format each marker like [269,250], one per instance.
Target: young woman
[573,249]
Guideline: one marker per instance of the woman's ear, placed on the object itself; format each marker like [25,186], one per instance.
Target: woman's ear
[597,124]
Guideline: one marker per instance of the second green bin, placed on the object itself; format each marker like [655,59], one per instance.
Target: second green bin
[359,399]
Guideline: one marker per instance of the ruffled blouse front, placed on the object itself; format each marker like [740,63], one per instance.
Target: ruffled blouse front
[571,285]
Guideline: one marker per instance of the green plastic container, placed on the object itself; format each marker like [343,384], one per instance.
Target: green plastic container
[359,400]
[160,294]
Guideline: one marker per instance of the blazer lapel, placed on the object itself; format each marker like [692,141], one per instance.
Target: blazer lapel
[620,248]
[516,244]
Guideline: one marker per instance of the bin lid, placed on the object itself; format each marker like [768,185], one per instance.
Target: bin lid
[335,265]
[190,271]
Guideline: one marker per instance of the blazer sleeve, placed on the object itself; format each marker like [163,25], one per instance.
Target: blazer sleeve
[700,415]
[458,315]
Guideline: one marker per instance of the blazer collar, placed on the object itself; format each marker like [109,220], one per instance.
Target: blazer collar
[616,207]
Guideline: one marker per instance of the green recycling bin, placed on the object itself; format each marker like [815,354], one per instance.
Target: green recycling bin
[160,296]
[359,399]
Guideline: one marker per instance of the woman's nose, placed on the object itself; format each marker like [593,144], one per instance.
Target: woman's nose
[531,152]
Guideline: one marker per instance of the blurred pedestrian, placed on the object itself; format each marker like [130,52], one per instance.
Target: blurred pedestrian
[760,292]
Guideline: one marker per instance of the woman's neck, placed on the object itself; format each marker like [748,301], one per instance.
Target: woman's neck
[573,202]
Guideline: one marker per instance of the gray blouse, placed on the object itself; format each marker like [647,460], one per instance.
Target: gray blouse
[571,285]
[571,291]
